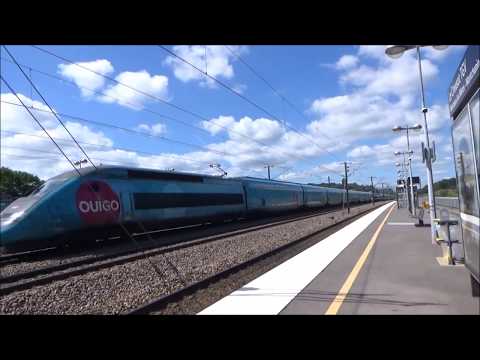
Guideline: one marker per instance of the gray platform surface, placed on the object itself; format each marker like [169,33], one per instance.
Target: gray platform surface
[400,276]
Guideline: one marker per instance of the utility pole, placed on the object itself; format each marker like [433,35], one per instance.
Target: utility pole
[329,181]
[268,169]
[346,186]
[373,190]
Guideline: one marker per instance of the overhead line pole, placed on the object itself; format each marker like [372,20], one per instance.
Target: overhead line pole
[373,190]
[346,186]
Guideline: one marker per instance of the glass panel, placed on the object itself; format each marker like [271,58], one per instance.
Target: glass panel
[463,149]
[475,114]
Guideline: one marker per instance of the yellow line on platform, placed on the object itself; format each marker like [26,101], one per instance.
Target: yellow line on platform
[342,294]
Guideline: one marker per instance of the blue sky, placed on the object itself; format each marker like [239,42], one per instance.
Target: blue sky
[349,98]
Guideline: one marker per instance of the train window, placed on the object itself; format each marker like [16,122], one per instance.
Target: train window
[46,187]
[464,163]
[153,175]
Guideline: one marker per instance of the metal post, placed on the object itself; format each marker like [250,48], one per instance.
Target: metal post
[431,200]
[268,167]
[451,260]
[411,179]
[409,202]
[373,191]
[346,187]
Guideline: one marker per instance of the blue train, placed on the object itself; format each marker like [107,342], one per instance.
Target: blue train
[70,206]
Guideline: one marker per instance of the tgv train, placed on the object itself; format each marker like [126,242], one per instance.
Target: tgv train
[70,206]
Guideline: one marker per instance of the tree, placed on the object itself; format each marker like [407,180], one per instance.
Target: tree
[17,183]
[444,187]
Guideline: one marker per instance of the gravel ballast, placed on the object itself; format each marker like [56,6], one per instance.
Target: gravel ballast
[123,287]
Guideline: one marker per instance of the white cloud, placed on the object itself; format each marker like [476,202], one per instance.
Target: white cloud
[84,78]
[382,93]
[261,130]
[362,151]
[16,118]
[156,85]
[346,62]
[35,153]
[217,62]
[155,129]
[357,116]
[439,55]
[240,88]
[217,125]
[376,52]
[397,77]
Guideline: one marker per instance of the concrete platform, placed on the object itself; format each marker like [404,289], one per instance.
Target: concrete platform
[379,264]
[401,275]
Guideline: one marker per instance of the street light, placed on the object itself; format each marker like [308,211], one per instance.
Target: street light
[412,196]
[407,128]
[395,51]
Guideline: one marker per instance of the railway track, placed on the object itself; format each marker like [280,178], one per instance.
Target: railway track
[177,296]
[48,274]
[27,255]
[41,254]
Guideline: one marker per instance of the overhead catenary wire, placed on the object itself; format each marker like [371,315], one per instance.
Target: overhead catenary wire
[107,161]
[125,129]
[104,94]
[124,229]
[282,97]
[163,138]
[71,144]
[48,105]
[153,97]
[171,104]
[38,122]
[63,140]
[259,107]
[99,123]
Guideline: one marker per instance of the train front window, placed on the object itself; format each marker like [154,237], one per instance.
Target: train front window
[464,163]
[48,186]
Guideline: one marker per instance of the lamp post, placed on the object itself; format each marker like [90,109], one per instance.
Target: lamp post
[409,153]
[396,51]
[407,128]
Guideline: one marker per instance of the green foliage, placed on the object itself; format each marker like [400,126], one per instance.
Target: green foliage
[355,186]
[444,187]
[17,183]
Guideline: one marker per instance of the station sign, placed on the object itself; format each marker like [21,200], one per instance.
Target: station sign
[465,81]
[415,181]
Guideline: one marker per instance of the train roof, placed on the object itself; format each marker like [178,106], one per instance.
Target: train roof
[267,180]
[133,172]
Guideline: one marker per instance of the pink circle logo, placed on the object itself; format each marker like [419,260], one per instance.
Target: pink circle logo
[97,203]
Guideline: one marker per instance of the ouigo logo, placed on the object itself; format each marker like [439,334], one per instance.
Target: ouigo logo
[97,203]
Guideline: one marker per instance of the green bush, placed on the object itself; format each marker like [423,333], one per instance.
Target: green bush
[16,183]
